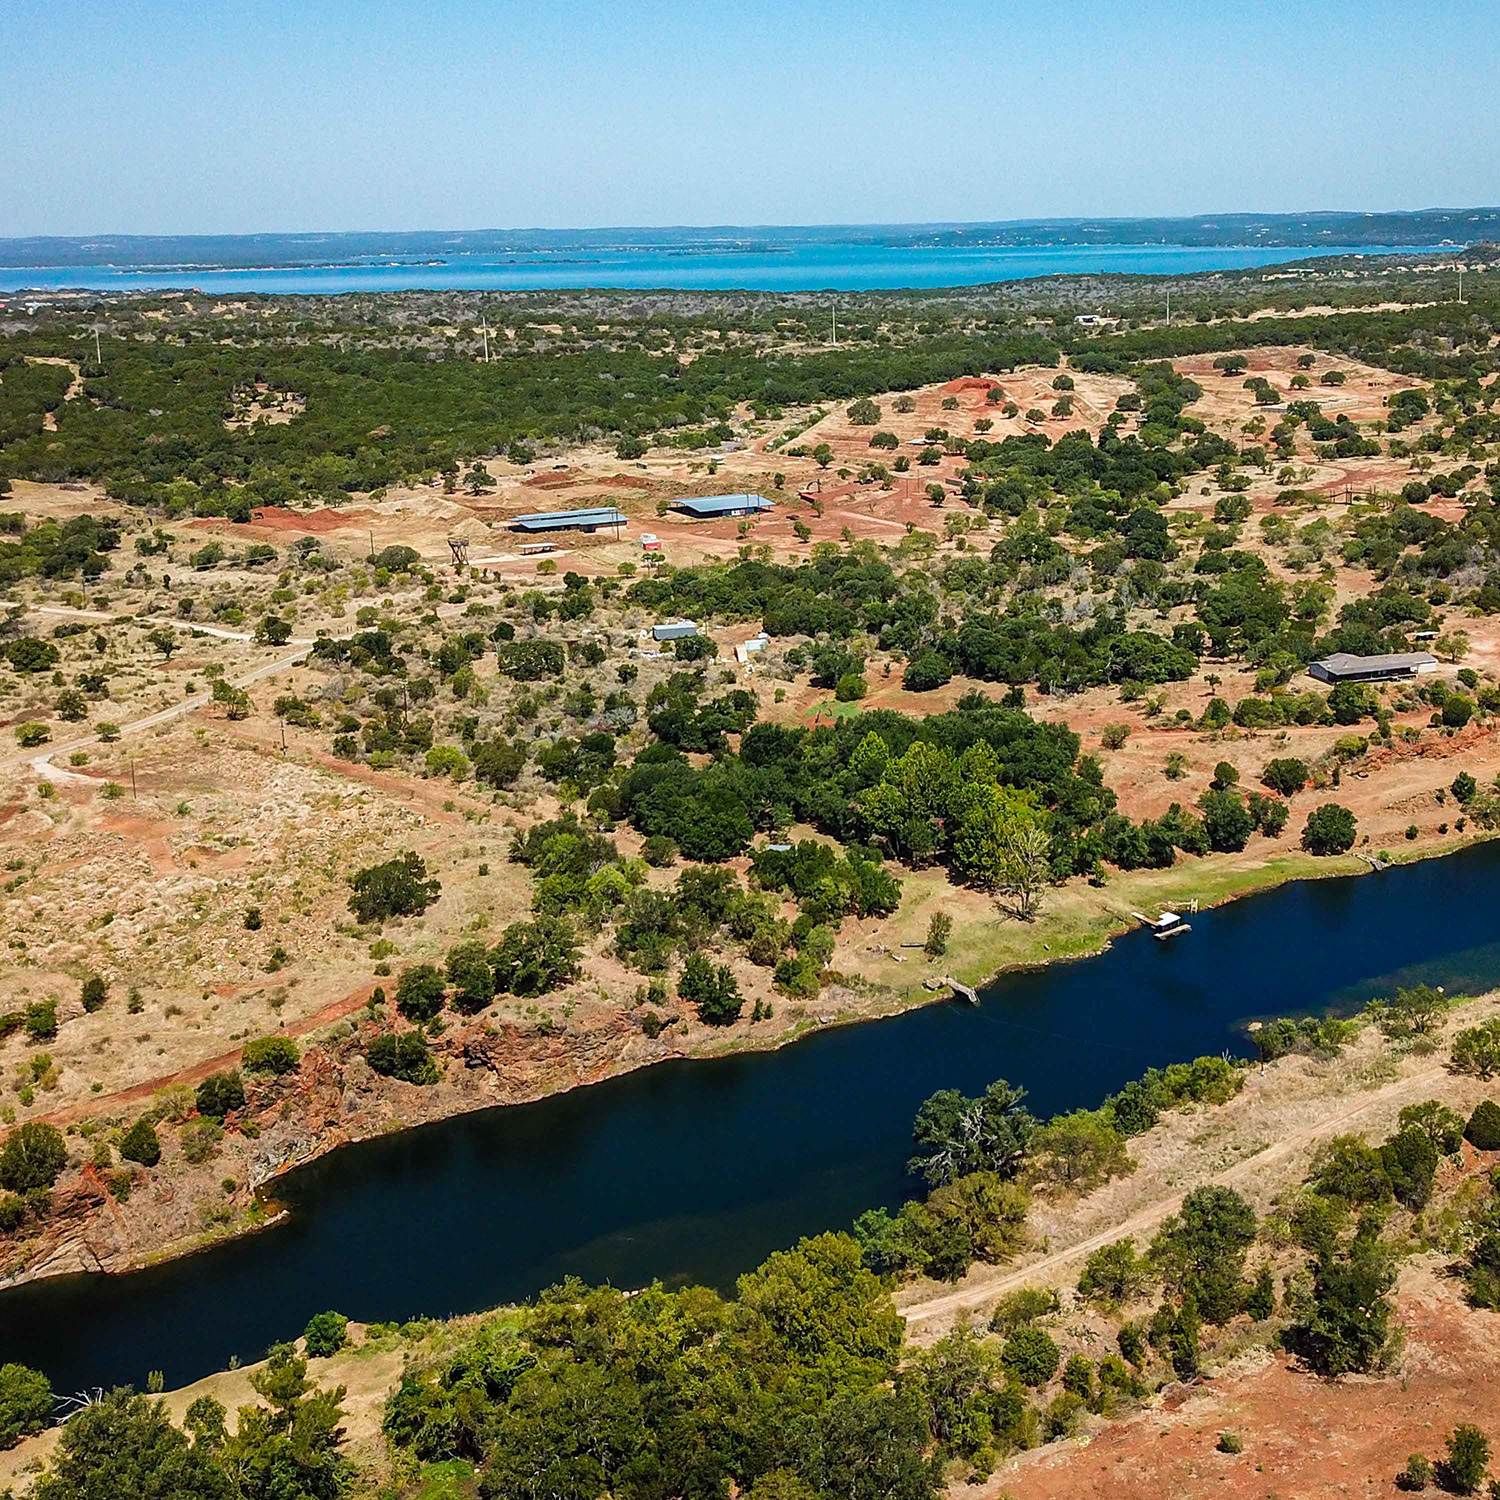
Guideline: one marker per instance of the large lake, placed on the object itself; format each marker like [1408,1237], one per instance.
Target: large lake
[790,267]
[697,1170]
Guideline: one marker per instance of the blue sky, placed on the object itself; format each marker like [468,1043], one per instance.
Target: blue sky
[163,116]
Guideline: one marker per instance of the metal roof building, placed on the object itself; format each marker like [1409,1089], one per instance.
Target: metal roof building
[708,506]
[570,520]
[1344,666]
[674,630]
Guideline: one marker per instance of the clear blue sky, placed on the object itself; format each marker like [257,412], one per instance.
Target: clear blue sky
[165,116]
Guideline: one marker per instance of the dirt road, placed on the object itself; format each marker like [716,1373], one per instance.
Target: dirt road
[992,1282]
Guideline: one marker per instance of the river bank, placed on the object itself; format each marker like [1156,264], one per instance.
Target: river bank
[1260,1142]
[697,1168]
[335,1101]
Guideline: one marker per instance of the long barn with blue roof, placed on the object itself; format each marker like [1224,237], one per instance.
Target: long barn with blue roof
[710,507]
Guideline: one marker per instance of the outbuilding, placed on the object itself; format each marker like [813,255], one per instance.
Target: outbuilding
[711,507]
[1344,666]
[594,519]
[673,630]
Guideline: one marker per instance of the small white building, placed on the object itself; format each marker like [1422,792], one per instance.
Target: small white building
[673,630]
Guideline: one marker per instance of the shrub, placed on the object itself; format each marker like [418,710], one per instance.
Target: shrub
[1115,1273]
[1410,1160]
[25,1403]
[270,1054]
[1468,1458]
[1230,1442]
[141,1144]
[200,1139]
[404,1056]
[939,930]
[1018,1309]
[326,1333]
[1476,1049]
[1483,1130]
[1030,1356]
[94,993]
[1417,1474]
[220,1093]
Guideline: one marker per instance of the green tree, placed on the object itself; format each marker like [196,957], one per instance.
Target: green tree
[1348,1327]
[1030,1356]
[713,991]
[939,929]
[32,1157]
[273,631]
[1201,1250]
[1080,1150]
[1330,829]
[220,1093]
[25,1403]
[123,1444]
[94,993]
[1483,1129]
[1226,821]
[1287,775]
[1116,1273]
[420,993]
[398,888]
[535,958]
[470,975]
[326,1333]
[956,1136]
[402,1055]
[1410,1161]
[141,1144]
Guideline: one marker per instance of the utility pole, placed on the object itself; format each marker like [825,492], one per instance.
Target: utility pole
[485,327]
[1169,307]
[1460,286]
[132,779]
[835,325]
[99,357]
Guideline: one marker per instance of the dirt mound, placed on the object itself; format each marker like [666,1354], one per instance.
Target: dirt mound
[967,383]
[313,522]
[551,481]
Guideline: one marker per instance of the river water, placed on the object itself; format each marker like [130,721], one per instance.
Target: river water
[697,1170]
[793,266]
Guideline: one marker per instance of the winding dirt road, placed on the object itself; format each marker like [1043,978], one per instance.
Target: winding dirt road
[992,1282]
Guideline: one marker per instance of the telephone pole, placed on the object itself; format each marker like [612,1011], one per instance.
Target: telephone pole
[835,325]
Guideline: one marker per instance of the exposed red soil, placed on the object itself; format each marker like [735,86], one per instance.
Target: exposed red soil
[1302,1437]
[113,1104]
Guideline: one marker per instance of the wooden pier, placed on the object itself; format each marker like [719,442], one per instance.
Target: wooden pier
[968,992]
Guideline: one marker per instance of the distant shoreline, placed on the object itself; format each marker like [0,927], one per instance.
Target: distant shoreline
[789,266]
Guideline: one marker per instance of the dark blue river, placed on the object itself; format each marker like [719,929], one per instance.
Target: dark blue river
[696,1170]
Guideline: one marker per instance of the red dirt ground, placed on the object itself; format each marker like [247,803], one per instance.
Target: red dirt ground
[1303,1437]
